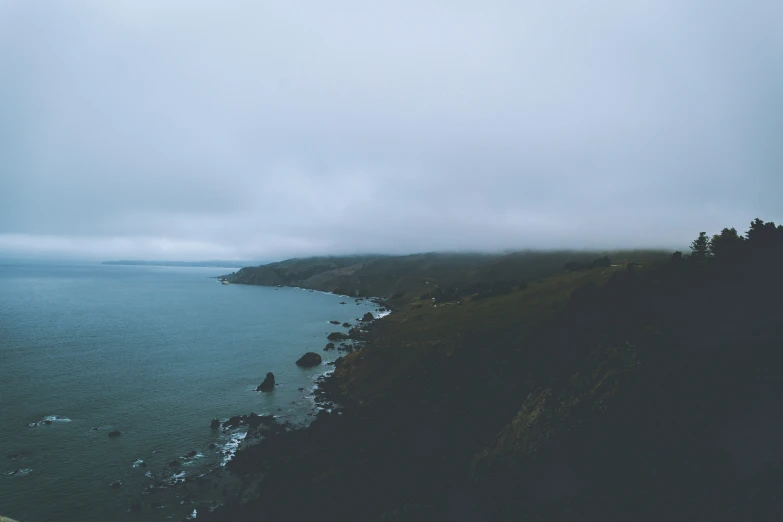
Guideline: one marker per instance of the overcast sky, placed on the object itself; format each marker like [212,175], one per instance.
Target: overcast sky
[261,130]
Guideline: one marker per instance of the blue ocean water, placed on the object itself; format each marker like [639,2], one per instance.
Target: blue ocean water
[155,352]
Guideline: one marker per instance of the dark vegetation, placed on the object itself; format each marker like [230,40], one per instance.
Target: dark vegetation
[402,279]
[603,262]
[634,391]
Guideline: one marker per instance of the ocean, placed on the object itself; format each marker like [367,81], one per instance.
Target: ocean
[154,352]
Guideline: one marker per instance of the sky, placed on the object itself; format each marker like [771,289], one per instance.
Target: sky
[263,130]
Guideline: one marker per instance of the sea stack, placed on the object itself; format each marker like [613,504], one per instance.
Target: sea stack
[268,384]
[309,359]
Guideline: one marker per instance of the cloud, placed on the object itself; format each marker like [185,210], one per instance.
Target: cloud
[260,130]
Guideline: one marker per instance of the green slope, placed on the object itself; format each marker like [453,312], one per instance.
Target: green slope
[642,392]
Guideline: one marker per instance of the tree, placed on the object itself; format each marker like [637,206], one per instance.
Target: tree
[763,234]
[701,247]
[727,244]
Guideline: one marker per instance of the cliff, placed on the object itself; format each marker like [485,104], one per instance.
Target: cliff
[634,392]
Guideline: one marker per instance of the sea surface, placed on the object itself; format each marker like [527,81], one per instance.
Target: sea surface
[155,352]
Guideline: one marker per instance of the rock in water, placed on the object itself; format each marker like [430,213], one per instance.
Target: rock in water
[335,322]
[309,359]
[346,325]
[215,424]
[329,346]
[254,421]
[268,384]
[235,421]
[115,433]
[116,485]
[367,317]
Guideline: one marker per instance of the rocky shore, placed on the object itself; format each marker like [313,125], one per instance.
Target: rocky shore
[252,437]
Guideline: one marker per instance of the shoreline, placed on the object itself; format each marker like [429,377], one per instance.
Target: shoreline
[381,301]
[229,477]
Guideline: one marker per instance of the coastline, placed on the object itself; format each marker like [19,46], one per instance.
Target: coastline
[225,486]
[381,301]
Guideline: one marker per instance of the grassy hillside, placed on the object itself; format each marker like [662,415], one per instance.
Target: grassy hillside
[404,278]
[625,392]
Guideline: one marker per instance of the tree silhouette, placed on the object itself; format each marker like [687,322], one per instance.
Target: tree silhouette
[701,247]
[764,235]
[726,245]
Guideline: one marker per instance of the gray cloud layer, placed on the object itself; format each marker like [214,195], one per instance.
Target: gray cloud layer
[187,129]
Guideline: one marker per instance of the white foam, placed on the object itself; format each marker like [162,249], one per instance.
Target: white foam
[49,419]
[19,472]
[137,463]
[230,448]
[191,460]
[192,515]
[176,478]
[57,418]
[379,315]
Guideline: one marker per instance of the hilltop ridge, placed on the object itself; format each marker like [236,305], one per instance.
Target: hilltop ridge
[402,278]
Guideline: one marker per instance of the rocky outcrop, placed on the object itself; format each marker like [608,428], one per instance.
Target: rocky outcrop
[254,421]
[329,346]
[215,424]
[368,317]
[115,433]
[309,359]
[235,421]
[268,384]
[335,322]
[346,325]
[337,336]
